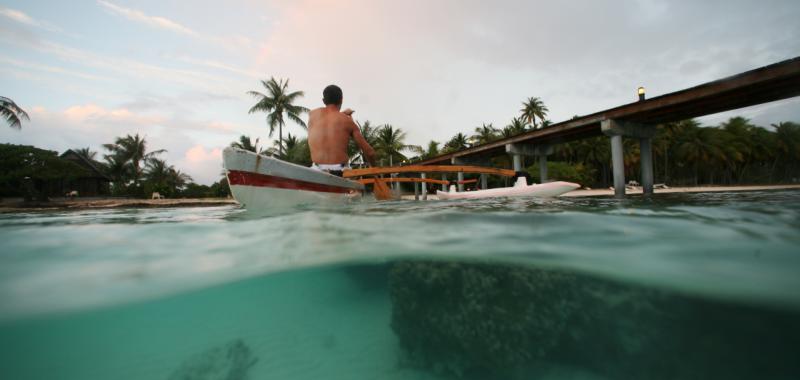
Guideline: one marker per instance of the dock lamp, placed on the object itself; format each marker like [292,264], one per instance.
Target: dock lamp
[641,93]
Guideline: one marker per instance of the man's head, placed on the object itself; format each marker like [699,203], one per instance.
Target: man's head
[332,95]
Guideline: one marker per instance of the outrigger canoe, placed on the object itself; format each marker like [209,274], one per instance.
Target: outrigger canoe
[520,189]
[265,184]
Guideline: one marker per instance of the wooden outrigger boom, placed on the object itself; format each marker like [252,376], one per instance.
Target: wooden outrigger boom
[428,169]
[371,181]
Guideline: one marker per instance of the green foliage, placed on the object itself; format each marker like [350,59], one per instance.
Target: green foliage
[562,171]
[389,143]
[295,150]
[277,104]
[20,161]
[219,189]
[687,153]
[484,134]
[459,142]
[533,109]
[163,178]
[12,113]
[245,143]
[517,126]
[124,162]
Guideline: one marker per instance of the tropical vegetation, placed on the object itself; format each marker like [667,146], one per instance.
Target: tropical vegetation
[533,109]
[245,143]
[688,153]
[13,113]
[278,104]
[125,159]
[684,152]
[31,172]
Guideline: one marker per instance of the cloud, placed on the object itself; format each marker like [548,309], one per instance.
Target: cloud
[27,65]
[152,21]
[23,18]
[92,114]
[202,163]
[199,154]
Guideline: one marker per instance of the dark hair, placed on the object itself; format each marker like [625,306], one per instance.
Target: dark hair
[332,95]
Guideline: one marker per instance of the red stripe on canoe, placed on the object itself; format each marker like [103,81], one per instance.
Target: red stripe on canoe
[236,177]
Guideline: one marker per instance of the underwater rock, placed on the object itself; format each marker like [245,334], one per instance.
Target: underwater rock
[473,320]
[496,321]
[229,362]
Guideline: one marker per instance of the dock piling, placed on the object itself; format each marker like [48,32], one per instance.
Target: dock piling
[618,165]
[646,160]
[424,187]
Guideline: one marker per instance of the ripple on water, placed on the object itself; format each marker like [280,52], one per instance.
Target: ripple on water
[733,245]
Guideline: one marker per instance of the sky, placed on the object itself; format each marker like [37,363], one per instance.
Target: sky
[178,71]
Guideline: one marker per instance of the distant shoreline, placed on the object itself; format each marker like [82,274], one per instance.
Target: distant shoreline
[682,189]
[111,203]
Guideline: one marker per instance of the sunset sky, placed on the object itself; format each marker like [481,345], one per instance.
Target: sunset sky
[178,71]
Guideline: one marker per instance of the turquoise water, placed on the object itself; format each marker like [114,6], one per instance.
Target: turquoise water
[677,286]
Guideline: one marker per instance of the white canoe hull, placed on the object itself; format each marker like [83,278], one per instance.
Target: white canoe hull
[520,189]
[266,185]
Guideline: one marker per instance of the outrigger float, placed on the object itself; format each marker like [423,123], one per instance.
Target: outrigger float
[263,183]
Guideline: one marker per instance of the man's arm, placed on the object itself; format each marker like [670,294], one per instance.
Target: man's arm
[369,153]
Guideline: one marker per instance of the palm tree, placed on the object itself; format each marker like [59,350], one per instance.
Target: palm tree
[86,153]
[485,133]
[432,151]
[516,127]
[177,180]
[458,142]
[118,169]
[156,170]
[164,178]
[295,150]
[369,132]
[667,140]
[700,146]
[131,150]
[533,109]
[12,113]
[390,142]
[276,103]
[787,145]
[245,143]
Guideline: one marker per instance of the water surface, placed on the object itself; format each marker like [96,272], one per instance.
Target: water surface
[206,293]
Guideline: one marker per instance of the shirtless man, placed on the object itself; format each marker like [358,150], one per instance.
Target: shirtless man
[329,132]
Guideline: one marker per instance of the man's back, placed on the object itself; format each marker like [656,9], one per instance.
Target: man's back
[329,132]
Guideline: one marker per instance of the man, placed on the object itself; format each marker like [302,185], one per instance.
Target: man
[329,132]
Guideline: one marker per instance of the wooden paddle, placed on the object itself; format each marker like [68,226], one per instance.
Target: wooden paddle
[381,191]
